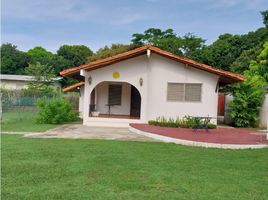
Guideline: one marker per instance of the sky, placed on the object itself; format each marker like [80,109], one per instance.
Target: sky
[96,23]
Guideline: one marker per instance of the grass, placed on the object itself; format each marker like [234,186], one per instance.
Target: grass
[99,169]
[22,121]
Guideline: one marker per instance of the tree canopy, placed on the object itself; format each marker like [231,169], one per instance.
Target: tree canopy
[13,61]
[76,54]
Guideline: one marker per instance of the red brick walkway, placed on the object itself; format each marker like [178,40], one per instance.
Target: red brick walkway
[219,135]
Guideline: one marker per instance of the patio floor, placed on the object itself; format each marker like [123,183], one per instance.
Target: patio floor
[232,136]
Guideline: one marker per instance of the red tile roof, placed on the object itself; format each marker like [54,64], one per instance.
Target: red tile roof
[74,86]
[225,76]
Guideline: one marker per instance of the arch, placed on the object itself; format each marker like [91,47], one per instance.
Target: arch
[115,99]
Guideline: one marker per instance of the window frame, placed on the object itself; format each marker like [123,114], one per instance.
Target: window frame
[184,92]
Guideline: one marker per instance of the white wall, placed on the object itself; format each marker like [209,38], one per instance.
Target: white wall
[156,72]
[164,70]
[264,113]
[130,71]
[81,101]
[102,91]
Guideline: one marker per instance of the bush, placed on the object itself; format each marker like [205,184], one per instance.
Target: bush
[55,111]
[185,122]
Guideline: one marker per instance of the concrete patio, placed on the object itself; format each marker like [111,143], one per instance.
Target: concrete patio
[78,131]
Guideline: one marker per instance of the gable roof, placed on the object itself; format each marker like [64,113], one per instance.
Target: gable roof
[225,76]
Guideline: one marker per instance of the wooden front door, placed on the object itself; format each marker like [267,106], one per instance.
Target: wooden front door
[135,105]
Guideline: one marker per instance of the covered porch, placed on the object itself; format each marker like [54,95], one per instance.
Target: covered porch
[114,104]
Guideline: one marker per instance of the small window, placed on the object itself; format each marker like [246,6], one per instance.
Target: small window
[175,92]
[193,92]
[115,93]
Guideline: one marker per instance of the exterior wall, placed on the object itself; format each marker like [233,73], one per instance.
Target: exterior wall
[155,71]
[164,70]
[131,71]
[81,101]
[264,113]
[19,84]
[102,91]
[16,85]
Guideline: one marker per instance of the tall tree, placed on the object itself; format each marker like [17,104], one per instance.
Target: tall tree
[13,61]
[76,54]
[112,50]
[265,17]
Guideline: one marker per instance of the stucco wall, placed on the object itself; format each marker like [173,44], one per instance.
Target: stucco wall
[156,72]
[162,71]
[81,101]
[102,91]
[18,85]
[264,113]
[13,84]
[131,71]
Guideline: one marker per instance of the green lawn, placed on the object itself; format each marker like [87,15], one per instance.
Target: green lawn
[99,169]
[22,121]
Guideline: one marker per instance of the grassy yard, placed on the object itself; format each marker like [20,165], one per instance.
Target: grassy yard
[99,169]
[22,121]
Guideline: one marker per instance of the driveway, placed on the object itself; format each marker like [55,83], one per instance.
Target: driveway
[84,132]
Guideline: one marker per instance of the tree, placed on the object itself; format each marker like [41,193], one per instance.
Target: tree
[166,40]
[249,95]
[265,17]
[44,76]
[242,63]
[13,61]
[107,51]
[76,54]
[39,54]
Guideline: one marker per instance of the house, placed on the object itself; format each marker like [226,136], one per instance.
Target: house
[145,83]
[18,82]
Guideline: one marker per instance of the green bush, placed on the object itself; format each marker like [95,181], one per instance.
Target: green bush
[185,122]
[55,111]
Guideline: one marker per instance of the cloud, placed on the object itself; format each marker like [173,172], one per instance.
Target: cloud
[71,10]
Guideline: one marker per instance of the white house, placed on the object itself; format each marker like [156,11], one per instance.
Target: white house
[18,82]
[145,83]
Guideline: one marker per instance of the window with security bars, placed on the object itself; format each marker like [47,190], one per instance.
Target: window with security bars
[115,93]
[190,92]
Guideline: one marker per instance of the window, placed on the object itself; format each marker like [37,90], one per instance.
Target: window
[192,92]
[115,93]
[189,92]
[175,92]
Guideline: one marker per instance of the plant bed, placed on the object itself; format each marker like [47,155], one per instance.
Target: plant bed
[185,122]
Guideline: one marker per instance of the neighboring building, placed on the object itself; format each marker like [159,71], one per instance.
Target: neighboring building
[145,83]
[18,82]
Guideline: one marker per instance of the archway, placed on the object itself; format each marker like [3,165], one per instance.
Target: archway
[115,100]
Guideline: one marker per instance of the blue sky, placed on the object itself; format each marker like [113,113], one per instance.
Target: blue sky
[95,23]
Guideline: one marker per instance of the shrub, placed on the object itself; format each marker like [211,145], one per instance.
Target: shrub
[185,122]
[55,111]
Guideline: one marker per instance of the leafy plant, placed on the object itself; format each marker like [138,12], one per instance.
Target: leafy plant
[55,111]
[249,95]
[185,122]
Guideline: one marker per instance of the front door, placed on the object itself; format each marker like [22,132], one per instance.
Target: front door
[135,105]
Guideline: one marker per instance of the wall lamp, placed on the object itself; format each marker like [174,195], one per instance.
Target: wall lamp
[89,80]
[141,81]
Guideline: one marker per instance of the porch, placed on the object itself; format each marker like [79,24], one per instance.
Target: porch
[114,104]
